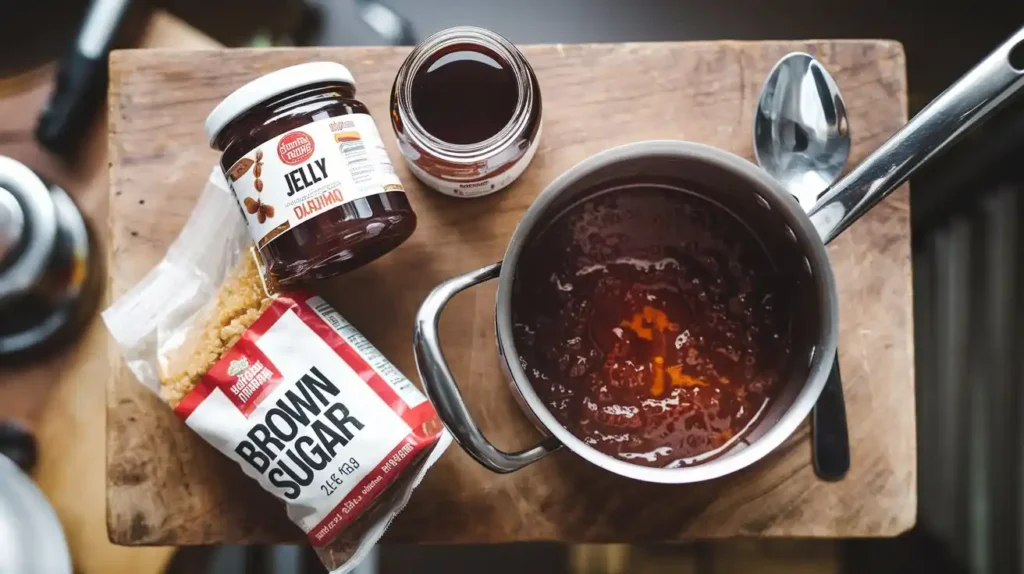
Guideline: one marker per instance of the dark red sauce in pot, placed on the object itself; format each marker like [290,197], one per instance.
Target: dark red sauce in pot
[652,324]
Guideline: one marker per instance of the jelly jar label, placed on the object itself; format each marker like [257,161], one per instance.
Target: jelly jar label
[308,171]
[497,178]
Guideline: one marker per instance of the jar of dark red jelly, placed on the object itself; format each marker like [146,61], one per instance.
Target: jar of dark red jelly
[310,172]
[466,109]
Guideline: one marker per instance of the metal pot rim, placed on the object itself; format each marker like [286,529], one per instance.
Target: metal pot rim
[817,255]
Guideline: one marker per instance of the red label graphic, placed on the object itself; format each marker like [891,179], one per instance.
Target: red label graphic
[362,466]
[244,374]
[295,148]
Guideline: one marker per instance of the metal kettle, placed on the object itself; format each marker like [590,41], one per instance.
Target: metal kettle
[31,538]
[49,271]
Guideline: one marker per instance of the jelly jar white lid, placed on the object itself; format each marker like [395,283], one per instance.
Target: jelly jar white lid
[265,87]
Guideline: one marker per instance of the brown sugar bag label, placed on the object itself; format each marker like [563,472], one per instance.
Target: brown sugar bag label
[310,409]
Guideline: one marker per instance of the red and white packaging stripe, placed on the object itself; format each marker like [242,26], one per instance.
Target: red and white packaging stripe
[309,408]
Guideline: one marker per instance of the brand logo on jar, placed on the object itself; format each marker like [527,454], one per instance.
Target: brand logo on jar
[295,148]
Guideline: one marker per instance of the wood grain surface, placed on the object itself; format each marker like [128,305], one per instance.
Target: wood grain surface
[165,486]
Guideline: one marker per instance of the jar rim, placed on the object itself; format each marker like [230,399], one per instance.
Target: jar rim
[478,151]
[269,85]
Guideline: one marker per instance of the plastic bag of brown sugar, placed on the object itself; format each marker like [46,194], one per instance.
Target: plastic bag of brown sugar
[281,384]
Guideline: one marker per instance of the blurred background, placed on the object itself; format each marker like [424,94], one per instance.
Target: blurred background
[968,249]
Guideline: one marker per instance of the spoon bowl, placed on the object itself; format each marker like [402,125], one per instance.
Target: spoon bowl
[801,132]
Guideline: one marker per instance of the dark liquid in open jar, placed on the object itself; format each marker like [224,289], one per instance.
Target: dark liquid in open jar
[464,95]
[653,325]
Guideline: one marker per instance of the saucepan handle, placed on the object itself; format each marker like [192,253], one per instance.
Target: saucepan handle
[973,97]
[444,392]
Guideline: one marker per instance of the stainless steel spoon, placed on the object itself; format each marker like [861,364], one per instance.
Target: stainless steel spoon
[802,139]
[801,134]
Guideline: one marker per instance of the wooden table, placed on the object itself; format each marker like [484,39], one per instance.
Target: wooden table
[63,400]
[165,486]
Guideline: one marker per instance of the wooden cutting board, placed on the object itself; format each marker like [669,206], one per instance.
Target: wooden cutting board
[165,486]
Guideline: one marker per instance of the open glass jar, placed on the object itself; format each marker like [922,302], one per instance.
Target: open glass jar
[466,109]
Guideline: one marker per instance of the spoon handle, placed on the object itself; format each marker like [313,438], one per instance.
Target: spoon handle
[973,97]
[830,441]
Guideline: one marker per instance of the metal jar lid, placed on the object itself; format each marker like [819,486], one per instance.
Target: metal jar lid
[28,227]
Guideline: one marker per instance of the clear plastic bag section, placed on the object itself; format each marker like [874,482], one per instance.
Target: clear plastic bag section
[282,384]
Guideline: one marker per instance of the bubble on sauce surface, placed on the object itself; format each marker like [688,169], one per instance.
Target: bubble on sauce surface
[688,385]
